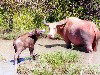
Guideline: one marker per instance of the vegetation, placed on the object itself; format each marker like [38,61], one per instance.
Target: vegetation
[57,63]
[25,15]
[2,58]
[18,16]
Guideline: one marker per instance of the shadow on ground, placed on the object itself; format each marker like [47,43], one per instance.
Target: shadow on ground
[54,45]
[19,61]
[77,48]
[26,58]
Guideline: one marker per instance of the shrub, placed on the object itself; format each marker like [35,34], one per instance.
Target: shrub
[59,58]
[8,36]
[23,70]
[42,72]
[58,63]
[23,20]
[2,58]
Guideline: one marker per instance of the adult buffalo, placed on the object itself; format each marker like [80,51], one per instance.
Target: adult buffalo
[76,31]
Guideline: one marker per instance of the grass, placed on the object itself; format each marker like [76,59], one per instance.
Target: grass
[92,70]
[42,72]
[23,70]
[12,35]
[57,63]
[57,59]
[8,36]
[2,58]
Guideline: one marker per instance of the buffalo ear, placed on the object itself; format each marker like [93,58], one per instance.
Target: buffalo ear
[61,27]
[47,24]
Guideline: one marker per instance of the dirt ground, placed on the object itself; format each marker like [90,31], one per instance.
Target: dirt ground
[43,45]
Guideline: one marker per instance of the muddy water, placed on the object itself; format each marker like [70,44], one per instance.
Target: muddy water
[6,68]
[6,50]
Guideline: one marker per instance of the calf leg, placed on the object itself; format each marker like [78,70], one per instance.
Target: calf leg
[31,52]
[16,56]
[17,53]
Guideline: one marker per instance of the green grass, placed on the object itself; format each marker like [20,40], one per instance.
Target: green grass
[42,72]
[12,35]
[8,36]
[2,58]
[23,70]
[52,63]
[57,59]
[57,63]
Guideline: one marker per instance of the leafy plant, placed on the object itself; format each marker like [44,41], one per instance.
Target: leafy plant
[59,58]
[42,72]
[58,63]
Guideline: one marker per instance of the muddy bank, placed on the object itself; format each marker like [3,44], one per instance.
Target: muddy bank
[42,46]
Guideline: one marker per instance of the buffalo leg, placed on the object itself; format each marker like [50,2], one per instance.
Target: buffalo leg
[68,44]
[89,47]
[94,45]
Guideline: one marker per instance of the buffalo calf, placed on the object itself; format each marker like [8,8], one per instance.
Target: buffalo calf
[24,41]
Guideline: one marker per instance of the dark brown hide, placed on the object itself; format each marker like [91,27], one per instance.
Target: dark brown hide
[24,41]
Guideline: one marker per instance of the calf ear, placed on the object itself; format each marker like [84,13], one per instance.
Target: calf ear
[42,31]
[32,33]
[35,31]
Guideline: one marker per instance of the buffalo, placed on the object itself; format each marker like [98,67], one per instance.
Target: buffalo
[24,41]
[77,31]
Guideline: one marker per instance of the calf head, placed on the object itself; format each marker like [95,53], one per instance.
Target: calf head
[36,33]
